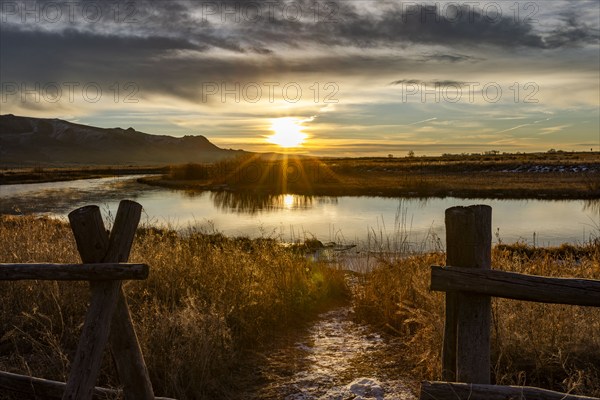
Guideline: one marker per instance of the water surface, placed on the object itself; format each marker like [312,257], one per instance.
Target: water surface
[379,223]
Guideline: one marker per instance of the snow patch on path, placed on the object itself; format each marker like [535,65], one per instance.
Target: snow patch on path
[337,358]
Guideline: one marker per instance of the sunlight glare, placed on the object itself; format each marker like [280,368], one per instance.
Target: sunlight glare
[288,132]
[288,201]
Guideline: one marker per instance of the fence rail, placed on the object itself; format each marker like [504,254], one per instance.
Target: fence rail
[107,320]
[470,391]
[469,283]
[510,285]
[73,272]
[49,389]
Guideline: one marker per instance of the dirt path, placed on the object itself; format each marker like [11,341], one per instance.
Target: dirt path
[336,358]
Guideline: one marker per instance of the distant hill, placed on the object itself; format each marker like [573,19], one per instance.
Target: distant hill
[26,141]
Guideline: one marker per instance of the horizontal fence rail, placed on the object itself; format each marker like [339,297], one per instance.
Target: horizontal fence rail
[73,272]
[512,285]
[471,391]
[49,389]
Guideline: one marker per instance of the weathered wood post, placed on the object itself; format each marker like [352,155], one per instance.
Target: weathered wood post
[107,302]
[466,348]
[125,348]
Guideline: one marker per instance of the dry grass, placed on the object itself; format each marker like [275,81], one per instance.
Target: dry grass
[551,346]
[209,300]
[55,174]
[557,175]
[490,175]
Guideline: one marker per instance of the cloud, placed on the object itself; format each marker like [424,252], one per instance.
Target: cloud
[552,129]
[449,58]
[206,41]
[425,120]
[513,128]
[572,32]
[172,49]
[434,82]
[265,25]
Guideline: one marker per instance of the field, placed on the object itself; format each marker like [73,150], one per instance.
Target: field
[551,175]
[542,175]
[212,303]
[209,302]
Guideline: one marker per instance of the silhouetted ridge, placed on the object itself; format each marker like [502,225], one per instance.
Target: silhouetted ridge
[39,141]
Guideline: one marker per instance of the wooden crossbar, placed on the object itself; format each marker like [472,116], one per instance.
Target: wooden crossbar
[49,389]
[470,391]
[73,272]
[512,285]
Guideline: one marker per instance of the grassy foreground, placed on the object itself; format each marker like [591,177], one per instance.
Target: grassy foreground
[208,302]
[546,345]
[544,175]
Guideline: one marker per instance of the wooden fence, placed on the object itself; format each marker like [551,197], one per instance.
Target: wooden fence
[107,321]
[469,283]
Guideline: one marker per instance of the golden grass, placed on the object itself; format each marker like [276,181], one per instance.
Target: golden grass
[209,300]
[463,176]
[551,346]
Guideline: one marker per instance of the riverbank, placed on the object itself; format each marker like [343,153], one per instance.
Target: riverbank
[58,174]
[553,175]
[545,176]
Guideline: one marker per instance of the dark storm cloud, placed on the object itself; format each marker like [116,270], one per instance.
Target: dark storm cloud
[245,26]
[175,47]
[74,56]
[572,32]
[347,24]
[426,24]
[40,52]
[156,64]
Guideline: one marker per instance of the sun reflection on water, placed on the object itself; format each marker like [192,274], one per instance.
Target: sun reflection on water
[288,201]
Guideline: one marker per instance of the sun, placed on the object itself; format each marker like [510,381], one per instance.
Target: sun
[287,132]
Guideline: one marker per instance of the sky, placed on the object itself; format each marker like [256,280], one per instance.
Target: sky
[353,78]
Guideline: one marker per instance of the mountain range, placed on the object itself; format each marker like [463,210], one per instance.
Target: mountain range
[26,141]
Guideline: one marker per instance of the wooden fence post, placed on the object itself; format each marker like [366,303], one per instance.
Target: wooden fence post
[94,246]
[467,336]
[125,348]
[449,343]
[92,242]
